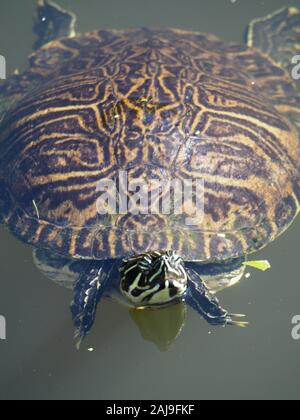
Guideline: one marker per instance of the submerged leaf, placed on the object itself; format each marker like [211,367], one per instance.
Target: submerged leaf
[259,265]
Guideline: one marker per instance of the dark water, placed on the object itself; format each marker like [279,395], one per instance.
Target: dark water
[39,361]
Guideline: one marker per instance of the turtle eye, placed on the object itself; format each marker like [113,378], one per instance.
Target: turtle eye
[146,264]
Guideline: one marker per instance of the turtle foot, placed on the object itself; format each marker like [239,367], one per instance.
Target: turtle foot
[204,302]
[52,22]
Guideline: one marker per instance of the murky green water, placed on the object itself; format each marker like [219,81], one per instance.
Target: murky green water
[39,361]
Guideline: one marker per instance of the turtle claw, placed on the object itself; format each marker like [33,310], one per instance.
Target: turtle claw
[237,315]
[239,324]
[235,323]
[232,319]
[225,319]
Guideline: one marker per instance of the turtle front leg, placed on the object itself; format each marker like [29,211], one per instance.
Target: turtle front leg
[52,22]
[92,285]
[207,305]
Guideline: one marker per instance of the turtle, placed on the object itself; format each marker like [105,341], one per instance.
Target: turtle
[99,117]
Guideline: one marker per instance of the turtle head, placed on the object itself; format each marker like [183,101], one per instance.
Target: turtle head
[153,279]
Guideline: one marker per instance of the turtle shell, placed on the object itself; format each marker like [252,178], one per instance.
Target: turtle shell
[157,105]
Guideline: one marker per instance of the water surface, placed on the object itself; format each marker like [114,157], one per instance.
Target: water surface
[39,360]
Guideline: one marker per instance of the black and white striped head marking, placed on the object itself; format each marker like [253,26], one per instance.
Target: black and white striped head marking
[153,279]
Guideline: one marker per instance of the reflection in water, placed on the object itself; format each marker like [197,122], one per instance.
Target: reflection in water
[160,325]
